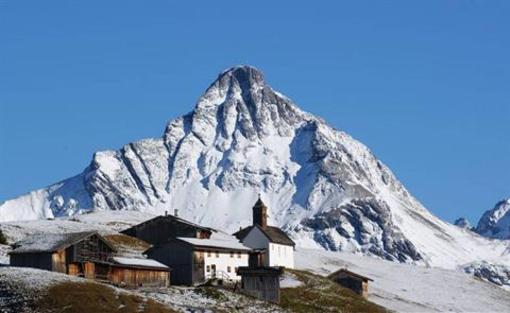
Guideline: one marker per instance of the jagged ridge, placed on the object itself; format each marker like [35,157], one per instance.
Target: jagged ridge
[243,138]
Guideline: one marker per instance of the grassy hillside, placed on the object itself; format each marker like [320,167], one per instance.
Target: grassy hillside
[73,297]
[319,294]
[37,291]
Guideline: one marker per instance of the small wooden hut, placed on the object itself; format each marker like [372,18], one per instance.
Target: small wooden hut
[261,282]
[356,282]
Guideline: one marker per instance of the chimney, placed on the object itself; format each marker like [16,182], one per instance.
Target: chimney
[260,214]
[176,212]
[166,213]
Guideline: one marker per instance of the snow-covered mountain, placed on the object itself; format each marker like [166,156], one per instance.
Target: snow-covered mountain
[495,223]
[243,138]
[462,222]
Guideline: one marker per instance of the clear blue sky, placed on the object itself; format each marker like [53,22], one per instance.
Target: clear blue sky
[426,85]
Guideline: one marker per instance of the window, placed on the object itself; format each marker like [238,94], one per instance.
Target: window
[217,254]
[231,254]
[238,255]
[208,268]
[209,253]
[228,269]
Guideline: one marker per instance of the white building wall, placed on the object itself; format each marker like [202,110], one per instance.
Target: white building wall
[281,255]
[276,254]
[223,260]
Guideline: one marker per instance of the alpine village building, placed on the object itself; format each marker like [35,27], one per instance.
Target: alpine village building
[273,244]
[355,282]
[194,254]
[89,255]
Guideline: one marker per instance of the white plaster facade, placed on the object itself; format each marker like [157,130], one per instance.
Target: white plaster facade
[281,255]
[224,263]
[276,254]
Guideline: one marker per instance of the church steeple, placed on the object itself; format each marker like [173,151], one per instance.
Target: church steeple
[260,213]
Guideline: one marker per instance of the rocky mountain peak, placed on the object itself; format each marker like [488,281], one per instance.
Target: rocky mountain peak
[323,187]
[462,222]
[495,223]
[246,75]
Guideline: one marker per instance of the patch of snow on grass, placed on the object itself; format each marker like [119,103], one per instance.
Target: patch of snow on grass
[289,280]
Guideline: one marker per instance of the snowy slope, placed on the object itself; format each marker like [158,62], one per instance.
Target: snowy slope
[408,288]
[495,223]
[243,138]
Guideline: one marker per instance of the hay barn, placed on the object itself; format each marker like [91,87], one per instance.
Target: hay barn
[356,282]
[88,255]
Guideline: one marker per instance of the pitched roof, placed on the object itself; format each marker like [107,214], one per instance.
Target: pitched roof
[274,234]
[49,242]
[140,263]
[215,243]
[346,271]
[169,217]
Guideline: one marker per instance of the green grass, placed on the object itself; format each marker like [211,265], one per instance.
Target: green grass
[82,297]
[319,294]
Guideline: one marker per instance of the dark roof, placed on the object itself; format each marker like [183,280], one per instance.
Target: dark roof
[260,271]
[344,270]
[169,217]
[49,242]
[274,234]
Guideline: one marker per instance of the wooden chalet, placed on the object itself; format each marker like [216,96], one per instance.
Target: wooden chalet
[166,227]
[89,255]
[356,282]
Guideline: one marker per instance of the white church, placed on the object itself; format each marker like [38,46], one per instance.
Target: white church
[273,244]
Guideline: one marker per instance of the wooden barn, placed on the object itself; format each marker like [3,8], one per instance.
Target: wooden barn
[356,282]
[134,272]
[89,255]
[166,227]
[261,282]
[71,253]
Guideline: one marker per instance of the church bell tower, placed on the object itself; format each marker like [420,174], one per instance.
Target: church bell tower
[260,214]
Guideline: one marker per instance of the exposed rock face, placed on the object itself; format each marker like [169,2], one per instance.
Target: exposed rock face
[495,223]
[496,274]
[463,223]
[365,225]
[243,138]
